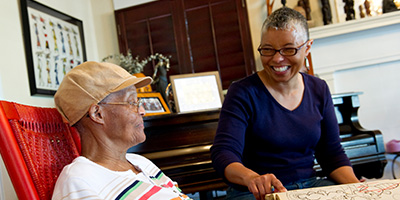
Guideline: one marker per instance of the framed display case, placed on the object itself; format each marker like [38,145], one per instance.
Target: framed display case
[54,44]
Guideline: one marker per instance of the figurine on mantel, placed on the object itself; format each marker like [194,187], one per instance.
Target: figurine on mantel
[301,10]
[326,12]
[367,6]
[306,5]
[361,8]
[388,6]
[349,9]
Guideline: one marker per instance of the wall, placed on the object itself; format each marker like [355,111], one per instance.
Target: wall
[100,40]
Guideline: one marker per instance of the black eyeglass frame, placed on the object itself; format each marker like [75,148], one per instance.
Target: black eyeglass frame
[281,51]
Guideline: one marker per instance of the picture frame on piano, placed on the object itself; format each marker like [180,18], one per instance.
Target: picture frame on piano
[153,103]
[197,92]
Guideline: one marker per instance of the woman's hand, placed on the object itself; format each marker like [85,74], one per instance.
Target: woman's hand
[261,185]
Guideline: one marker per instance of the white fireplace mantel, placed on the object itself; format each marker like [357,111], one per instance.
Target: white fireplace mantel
[359,43]
[355,25]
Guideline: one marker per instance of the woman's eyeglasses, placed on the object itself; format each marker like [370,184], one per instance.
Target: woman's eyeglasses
[137,104]
[283,51]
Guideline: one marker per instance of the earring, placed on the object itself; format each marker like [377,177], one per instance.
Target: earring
[306,64]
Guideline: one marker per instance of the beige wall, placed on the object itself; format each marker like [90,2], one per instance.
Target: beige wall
[99,34]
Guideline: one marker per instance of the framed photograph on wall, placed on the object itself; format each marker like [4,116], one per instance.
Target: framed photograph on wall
[197,92]
[54,44]
[153,103]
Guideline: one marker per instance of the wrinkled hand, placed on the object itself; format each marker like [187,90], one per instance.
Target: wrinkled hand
[262,185]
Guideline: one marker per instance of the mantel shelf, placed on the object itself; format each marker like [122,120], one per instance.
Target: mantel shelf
[355,25]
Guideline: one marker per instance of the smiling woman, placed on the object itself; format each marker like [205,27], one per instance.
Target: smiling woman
[260,141]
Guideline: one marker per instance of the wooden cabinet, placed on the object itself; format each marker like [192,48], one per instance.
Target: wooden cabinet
[200,35]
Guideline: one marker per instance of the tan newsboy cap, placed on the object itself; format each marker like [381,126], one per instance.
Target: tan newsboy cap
[88,84]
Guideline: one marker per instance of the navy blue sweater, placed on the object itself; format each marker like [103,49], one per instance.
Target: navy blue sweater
[255,130]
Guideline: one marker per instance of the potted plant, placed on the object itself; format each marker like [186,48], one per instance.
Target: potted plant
[135,65]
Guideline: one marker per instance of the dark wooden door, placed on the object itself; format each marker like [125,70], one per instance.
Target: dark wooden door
[200,36]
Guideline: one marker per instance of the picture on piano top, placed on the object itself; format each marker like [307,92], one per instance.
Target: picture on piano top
[153,103]
[197,91]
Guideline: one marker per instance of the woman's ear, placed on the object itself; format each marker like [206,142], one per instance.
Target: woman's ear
[308,46]
[95,113]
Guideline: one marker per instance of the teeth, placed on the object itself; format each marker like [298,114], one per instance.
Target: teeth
[280,69]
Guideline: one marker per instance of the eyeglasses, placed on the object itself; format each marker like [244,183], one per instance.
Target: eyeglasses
[283,51]
[137,104]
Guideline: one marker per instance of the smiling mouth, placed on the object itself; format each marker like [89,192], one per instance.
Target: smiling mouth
[280,68]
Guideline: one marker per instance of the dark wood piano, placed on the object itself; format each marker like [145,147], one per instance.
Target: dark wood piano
[365,148]
[179,144]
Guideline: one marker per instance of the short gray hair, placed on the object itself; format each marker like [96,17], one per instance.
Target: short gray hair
[286,18]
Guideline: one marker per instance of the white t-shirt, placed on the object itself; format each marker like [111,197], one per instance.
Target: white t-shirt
[84,179]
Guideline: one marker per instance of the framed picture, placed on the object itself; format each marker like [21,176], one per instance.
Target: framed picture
[153,103]
[54,44]
[197,91]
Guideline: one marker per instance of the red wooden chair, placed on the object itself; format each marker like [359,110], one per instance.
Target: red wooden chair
[35,144]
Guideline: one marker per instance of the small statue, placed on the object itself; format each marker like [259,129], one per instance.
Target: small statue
[326,12]
[160,80]
[306,5]
[388,6]
[300,10]
[367,6]
[362,14]
[349,9]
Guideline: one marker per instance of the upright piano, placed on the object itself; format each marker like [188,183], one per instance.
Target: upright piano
[179,144]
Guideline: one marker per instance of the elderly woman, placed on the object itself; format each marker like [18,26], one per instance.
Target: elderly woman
[100,100]
[274,123]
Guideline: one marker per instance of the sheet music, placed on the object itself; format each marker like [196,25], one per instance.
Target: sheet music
[370,190]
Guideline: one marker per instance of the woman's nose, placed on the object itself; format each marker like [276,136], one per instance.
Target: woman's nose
[141,111]
[278,57]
